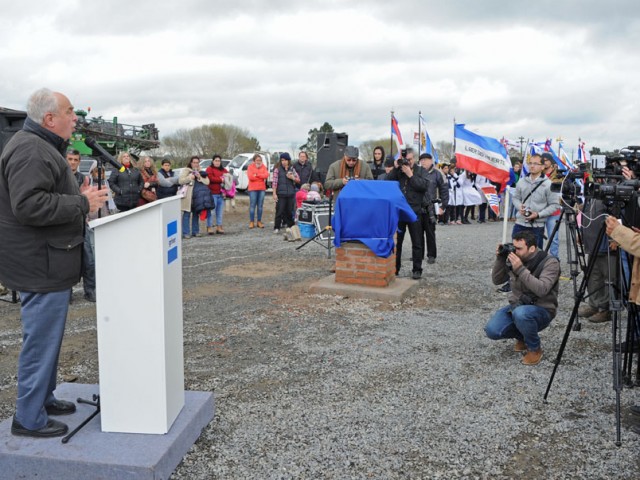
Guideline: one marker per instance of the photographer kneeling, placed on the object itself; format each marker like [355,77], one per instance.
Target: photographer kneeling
[533,299]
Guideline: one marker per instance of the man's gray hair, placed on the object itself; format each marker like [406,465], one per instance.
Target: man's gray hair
[41,102]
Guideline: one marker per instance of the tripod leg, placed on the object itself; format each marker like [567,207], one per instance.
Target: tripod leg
[576,305]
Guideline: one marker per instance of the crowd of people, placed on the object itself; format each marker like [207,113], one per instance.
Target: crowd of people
[45,205]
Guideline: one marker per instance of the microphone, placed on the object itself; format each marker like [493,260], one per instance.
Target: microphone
[97,148]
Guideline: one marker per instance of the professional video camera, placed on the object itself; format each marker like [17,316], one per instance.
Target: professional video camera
[608,184]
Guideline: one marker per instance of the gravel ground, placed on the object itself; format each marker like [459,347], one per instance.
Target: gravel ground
[325,386]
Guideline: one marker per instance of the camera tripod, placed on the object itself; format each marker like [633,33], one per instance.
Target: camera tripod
[575,251]
[617,290]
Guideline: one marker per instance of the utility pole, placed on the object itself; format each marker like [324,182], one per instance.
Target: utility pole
[521,141]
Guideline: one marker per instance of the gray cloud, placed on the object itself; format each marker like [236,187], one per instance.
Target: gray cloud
[280,68]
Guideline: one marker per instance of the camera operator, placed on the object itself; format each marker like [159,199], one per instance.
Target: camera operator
[533,299]
[413,184]
[534,200]
[597,310]
[629,240]
[436,200]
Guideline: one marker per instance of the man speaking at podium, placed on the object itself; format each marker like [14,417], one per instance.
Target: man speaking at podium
[42,217]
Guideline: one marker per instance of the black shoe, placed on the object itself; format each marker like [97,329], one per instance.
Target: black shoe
[416,275]
[481,221]
[506,288]
[431,260]
[60,407]
[90,296]
[466,222]
[635,410]
[53,428]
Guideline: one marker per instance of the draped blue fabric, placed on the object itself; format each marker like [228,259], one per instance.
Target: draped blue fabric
[368,211]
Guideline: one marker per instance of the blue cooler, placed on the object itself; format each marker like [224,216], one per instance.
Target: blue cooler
[307,230]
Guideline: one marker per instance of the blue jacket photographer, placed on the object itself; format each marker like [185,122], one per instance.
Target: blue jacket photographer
[533,299]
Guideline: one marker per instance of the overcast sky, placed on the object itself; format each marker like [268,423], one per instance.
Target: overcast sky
[278,68]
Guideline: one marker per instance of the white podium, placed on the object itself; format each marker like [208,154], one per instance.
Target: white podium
[139,317]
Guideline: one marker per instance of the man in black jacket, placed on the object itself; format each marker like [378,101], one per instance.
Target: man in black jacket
[413,184]
[305,171]
[436,201]
[42,216]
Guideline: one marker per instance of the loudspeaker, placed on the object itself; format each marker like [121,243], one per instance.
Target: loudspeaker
[330,148]
[11,121]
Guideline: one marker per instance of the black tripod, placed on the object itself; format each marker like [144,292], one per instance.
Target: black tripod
[328,230]
[575,250]
[95,403]
[615,307]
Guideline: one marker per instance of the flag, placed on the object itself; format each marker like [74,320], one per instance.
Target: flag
[564,158]
[547,145]
[583,156]
[533,148]
[426,146]
[492,198]
[396,135]
[563,162]
[485,156]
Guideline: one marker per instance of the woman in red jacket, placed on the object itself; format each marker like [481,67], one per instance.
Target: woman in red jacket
[215,173]
[258,175]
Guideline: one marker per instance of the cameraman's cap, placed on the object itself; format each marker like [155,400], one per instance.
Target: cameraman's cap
[351,152]
[426,155]
[285,155]
[546,156]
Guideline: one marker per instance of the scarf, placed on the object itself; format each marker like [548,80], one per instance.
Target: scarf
[344,169]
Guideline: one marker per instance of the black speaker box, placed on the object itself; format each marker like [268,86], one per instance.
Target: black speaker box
[330,148]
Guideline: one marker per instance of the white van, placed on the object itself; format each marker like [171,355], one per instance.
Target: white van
[239,165]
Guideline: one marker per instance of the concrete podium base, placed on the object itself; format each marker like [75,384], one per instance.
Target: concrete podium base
[396,291]
[94,454]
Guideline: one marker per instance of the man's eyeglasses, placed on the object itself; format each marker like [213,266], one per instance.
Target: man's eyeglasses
[350,159]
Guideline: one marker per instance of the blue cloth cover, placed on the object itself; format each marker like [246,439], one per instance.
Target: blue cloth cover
[368,211]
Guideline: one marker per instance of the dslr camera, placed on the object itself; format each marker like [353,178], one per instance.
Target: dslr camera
[505,249]
[403,156]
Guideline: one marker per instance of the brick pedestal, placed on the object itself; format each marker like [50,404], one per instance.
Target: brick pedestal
[357,265]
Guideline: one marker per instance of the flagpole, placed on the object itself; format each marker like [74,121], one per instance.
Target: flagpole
[454,137]
[391,138]
[419,133]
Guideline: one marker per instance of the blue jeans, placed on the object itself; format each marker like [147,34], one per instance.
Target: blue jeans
[195,223]
[218,203]
[537,231]
[256,200]
[43,318]
[523,323]
[550,224]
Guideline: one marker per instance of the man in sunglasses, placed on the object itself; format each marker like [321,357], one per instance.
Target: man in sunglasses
[343,171]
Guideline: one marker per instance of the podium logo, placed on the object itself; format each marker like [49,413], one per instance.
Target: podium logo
[172,241]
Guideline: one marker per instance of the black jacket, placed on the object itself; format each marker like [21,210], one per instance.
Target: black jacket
[42,213]
[377,169]
[127,186]
[306,173]
[437,187]
[413,188]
